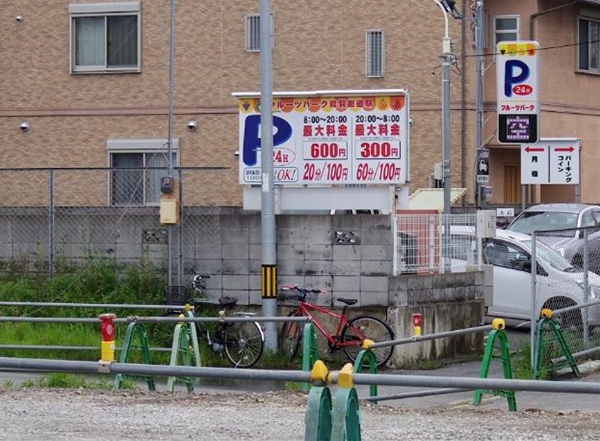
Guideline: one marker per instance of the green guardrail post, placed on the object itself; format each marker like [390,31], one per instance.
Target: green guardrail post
[345,424]
[546,344]
[317,421]
[181,349]
[134,330]
[194,338]
[497,334]
[368,355]
[310,351]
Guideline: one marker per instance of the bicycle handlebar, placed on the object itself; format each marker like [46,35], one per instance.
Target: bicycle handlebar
[301,289]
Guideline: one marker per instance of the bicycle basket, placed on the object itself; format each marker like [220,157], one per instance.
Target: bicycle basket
[176,295]
[293,298]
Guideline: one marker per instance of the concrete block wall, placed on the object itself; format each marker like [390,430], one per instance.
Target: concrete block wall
[447,302]
[308,254]
[345,255]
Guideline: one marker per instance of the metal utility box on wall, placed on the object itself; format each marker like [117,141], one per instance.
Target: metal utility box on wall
[169,202]
[169,211]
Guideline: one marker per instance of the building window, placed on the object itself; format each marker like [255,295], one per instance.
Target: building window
[137,166]
[589,45]
[375,50]
[105,37]
[253,33]
[506,28]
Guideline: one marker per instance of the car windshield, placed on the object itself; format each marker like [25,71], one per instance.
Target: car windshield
[531,221]
[547,254]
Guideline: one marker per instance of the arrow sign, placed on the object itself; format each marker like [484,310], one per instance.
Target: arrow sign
[534,149]
[534,164]
[551,161]
[569,149]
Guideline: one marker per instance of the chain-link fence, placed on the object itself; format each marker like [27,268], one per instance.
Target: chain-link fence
[565,279]
[433,243]
[61,219]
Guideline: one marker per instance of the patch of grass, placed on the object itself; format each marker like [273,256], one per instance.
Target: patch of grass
[75,381]
[29,383]
[292,387]
[278,360]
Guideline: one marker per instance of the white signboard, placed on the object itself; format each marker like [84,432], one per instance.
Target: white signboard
[328,137]
[551,161]
[518,91]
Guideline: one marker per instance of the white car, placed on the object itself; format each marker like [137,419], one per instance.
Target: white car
[559,284]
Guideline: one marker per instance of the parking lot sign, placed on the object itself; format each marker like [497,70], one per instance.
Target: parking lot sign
[517,75]
[550,161]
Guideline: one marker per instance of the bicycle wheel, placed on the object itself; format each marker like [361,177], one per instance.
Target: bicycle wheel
[244,343]
[367,327]
[291,336]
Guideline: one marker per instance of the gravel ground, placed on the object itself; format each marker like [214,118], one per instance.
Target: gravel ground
[89,415]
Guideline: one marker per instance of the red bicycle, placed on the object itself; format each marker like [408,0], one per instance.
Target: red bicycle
[349,333]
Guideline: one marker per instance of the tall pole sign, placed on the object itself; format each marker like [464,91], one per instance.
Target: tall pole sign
[517,64]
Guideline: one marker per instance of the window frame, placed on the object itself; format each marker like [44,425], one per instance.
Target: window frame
[145,147]
[250,29]
[580,47]
[105,10]
[369,48]
[496,32]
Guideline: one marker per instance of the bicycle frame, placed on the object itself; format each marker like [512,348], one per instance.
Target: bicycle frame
[308,310]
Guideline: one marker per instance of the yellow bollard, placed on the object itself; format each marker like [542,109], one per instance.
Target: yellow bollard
[107,350]
[417,323]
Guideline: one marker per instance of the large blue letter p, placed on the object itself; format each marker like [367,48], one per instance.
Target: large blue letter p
[251,142]
[511,77]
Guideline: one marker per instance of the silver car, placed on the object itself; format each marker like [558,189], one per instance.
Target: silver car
[565,224]
[559,284]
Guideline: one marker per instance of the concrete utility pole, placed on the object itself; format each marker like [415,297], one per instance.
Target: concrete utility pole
[170,134]
[269,249]
[479,41]
[446,63]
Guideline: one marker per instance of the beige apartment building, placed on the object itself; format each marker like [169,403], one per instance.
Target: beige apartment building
[86,84]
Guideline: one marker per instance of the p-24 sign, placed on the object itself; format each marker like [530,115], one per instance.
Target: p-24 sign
[518,91]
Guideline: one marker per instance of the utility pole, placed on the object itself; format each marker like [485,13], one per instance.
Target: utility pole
[269,249]
[170,134]
[479,30]
[446,63]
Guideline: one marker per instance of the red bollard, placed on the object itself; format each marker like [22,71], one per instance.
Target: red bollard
[108,337]
[417,323]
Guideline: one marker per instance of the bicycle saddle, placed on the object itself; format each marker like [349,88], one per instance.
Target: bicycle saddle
[347,301]
[228,302]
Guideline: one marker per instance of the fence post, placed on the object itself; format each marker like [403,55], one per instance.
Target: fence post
[51,225]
